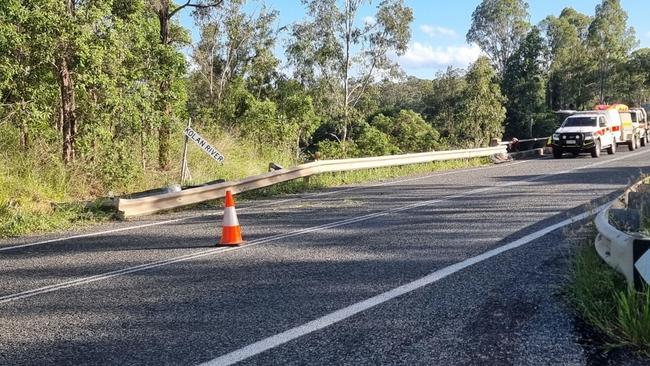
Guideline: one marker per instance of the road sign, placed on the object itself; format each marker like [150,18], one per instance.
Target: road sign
[641,260]
[204,145]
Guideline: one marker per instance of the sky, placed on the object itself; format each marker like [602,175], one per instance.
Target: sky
[439,27]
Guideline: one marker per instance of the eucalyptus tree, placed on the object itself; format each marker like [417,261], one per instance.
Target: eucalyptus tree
[498,27]
[571,60]
[611,41]
[482,107]
[338,54]
[234,44]
[166,10]
[524,85]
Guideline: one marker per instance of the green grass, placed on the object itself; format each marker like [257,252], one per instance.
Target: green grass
[603,300]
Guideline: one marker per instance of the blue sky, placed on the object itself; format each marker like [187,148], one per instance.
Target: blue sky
[439,27]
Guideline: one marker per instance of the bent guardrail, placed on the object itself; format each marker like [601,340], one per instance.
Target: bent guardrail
[127,208]
[620,244]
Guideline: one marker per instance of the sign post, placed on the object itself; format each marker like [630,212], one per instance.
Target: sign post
[184,170]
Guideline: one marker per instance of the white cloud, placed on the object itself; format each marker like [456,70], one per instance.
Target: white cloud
[435,31]
[647,34]
[369,20]
[424,56]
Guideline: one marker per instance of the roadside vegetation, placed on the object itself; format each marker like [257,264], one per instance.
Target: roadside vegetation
[94,95]
[602,298]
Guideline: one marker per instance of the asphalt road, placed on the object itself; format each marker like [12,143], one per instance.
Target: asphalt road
[460,267]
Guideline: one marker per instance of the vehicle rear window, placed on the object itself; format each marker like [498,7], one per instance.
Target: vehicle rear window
[633,117]
[580,122]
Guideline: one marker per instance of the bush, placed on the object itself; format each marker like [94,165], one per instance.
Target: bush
[336,150]
[373,142]
[408,131]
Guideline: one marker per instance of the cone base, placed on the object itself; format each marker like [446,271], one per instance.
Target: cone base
[220,245]
[230,236]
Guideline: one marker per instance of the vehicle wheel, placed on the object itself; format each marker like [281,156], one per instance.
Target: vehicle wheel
[611,150]
[637,140]
[631,145]
[557,153]
[644,139]
[595,152]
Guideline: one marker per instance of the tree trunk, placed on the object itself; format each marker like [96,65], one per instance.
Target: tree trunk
[346,67]
[68,104]
[164,130]
[68,109]
[24,136]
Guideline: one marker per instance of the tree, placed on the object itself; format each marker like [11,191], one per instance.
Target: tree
[444,102]
[166,12]
[498,27]
[570,58]
[300,116]
[234,44]
[524,85]
[326,50]
[611,41]
[633,84]
[482,113]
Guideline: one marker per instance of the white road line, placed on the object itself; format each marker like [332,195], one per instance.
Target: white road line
[349,311]
[253,243]
[273,203]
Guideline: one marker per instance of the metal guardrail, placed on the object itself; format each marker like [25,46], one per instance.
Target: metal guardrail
[616,247]
[506,143]
[127,208]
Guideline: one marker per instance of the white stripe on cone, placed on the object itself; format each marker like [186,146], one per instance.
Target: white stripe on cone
[230,217]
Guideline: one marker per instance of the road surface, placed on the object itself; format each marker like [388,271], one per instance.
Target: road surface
[461,267]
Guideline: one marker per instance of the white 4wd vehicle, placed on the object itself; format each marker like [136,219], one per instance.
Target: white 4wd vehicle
[584,132]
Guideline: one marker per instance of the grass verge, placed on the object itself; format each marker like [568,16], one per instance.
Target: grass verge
[603,300]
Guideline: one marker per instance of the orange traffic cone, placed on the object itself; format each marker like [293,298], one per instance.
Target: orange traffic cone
[231,232]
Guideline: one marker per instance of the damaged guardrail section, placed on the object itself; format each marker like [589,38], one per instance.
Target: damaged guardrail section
[622,240]
[147,205]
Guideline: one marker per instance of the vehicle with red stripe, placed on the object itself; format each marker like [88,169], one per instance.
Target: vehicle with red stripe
[625,133]
[590,131]
[584,132]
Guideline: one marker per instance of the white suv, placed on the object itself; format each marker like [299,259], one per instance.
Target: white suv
[584,132]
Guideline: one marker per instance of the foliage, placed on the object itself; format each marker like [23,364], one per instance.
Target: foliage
[407,131]
[325,49]
[482,112]
[612,40]
[373,142]
[524,85]
[571,61]
[498,27]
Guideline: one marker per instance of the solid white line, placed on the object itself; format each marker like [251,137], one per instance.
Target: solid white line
[273,203]
[183,258]
[349,311]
